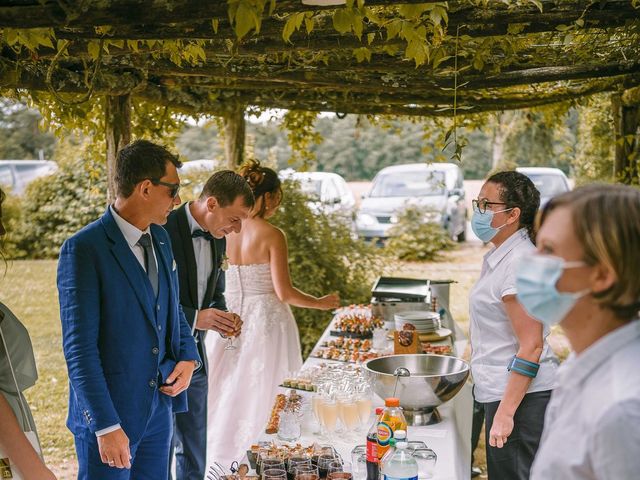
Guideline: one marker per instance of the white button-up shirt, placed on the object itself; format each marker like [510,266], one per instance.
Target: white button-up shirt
[202,252]
[493,341]
[132,235]
[592,424]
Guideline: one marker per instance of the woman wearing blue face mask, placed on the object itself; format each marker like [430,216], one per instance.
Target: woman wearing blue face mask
[585,276]
[513,368]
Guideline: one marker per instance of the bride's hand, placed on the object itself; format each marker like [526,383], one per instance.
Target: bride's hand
[329,302]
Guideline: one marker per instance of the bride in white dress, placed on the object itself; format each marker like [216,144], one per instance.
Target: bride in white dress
[243,382]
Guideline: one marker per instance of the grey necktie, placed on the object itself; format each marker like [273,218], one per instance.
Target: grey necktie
[149,261]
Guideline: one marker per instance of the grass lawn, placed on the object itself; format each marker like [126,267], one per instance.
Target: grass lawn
[29,289]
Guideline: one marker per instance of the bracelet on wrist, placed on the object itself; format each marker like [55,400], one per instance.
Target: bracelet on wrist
[523,367]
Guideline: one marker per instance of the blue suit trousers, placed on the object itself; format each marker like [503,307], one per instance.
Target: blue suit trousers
[150,455]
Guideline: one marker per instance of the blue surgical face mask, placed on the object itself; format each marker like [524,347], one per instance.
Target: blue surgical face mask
[536,278]
[481,224]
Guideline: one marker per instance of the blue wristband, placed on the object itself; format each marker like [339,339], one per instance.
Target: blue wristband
[523,367]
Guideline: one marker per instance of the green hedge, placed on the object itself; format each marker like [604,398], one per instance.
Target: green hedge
[413,239]
[56,206]
[324,257]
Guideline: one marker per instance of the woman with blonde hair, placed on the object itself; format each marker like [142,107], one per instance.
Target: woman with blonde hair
[584,276]
[244,381]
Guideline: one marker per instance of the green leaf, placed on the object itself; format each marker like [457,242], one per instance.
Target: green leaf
[538,4]
[580,22]
[245,20]
[362,54]
[342,20]
[370,38]
[358,26]
[93,49]
[215,23]
[308,23]
[563,28]
[293,23]
[393,28]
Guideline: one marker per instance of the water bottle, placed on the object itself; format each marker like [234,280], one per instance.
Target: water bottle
[400,465]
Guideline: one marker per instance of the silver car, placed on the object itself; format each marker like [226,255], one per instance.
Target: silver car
[438,188]
[549,181]
[328,192]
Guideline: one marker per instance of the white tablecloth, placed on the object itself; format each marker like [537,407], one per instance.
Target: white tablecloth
[450,439]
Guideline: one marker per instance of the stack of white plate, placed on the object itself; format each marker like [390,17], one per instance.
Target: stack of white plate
[425,322]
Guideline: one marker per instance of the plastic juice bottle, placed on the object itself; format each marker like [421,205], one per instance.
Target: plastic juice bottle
[400,464]
[392,419]
[373,472]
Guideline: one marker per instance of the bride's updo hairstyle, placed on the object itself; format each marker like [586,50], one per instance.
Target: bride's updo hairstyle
[262,180]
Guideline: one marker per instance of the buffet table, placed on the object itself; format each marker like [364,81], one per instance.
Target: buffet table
[450,438]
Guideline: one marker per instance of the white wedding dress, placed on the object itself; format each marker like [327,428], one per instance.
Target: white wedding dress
[243,382]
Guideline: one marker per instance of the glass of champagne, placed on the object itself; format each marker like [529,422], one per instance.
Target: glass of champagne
[329,412]
[229,345]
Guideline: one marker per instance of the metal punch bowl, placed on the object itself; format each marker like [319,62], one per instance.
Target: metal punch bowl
[433,380]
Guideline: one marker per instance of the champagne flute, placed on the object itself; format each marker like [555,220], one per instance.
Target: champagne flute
[229,345]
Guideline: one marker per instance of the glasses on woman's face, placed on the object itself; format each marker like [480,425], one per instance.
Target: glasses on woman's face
[174,188]
[480,206]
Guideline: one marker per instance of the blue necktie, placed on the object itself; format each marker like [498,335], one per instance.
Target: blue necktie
[201,233]
[149,261]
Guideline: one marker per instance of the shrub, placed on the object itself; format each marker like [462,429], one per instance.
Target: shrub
[414,240]
[323,258]
[11,215]
[57,206]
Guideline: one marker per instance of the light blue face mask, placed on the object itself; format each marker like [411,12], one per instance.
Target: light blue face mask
[481,224]
[536,278]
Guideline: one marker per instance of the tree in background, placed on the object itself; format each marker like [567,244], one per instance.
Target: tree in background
[21,136]
[595,146]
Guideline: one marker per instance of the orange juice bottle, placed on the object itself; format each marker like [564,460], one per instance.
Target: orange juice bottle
[392,419]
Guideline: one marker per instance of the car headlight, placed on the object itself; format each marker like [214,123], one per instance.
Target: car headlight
[365,220]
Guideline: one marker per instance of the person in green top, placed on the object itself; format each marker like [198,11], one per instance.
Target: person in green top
[15,417]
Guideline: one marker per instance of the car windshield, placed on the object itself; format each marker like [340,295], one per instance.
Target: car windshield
[409,184]
[311,187]
[548,185]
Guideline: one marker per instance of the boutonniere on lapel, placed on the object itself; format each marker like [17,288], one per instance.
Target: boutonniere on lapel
[224,262]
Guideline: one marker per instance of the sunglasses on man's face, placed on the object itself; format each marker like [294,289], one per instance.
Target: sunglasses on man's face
[174,188]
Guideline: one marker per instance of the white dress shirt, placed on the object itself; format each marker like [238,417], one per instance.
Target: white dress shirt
[493,341]
[203,254]
[131,235]
[592,424]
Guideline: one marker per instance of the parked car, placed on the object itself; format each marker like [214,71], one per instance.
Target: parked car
[438,187]
[15,175]
[328,192]
[549,181]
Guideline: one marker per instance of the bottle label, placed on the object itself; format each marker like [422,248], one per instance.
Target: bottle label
[385,433]
[387,477]
[372,451]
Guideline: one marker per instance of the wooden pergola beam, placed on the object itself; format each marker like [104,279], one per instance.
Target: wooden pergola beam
[474,22]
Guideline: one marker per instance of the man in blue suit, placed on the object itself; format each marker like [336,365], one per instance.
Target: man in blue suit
[197,231]
[129,350]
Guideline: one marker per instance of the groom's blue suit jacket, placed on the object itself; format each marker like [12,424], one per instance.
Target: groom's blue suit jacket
[111,339]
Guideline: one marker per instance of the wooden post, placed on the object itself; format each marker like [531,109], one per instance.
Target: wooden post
[118,134]
[234,136]
[626,115]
